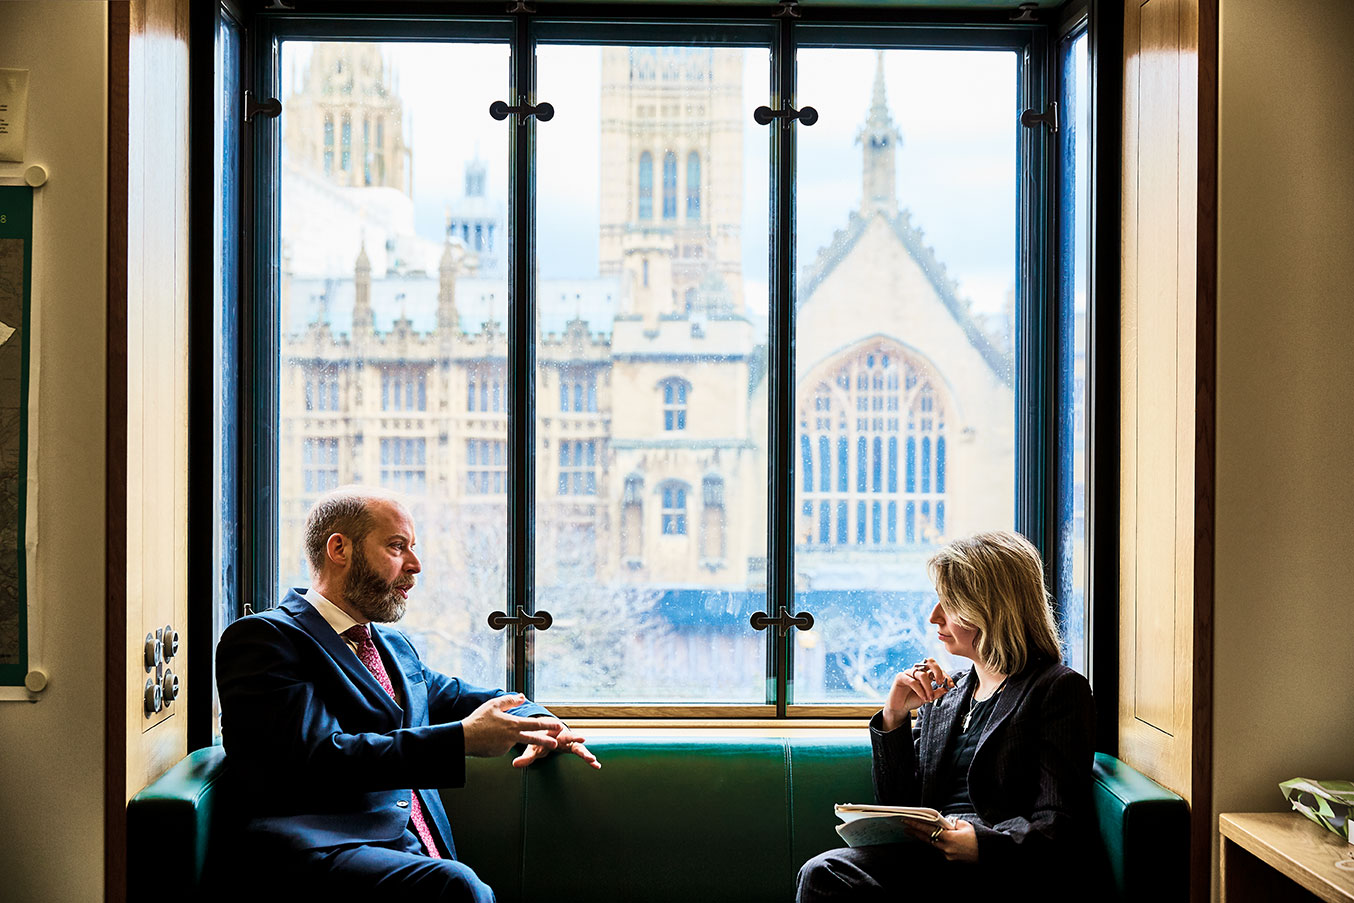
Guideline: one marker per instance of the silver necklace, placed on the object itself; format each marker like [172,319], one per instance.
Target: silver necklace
[973,704]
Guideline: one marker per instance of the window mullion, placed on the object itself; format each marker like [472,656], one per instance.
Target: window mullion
[1035,356]
[781,427]
[260,333]
[521,368]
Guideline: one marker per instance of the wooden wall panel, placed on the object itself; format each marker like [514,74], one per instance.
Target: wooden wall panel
[1156,365]
[157,371]
[1167,363]
[147,393]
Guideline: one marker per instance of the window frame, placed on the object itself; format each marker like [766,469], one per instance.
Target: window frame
[255,474]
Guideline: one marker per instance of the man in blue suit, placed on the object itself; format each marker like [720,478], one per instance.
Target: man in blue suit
[337,733]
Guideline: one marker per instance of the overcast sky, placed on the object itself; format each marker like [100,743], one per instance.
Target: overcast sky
[956,165]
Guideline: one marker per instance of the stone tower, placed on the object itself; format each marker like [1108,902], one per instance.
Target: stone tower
[347,122]
[476,219]
[672,175]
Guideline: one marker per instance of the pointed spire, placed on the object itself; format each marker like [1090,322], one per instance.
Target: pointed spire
[879,138]
[364,318]
[448,318]
[880,118]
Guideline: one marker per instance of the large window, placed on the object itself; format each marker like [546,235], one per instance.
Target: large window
[395,323]
[906,328]
[643,410]
[623,305]
[1070,555]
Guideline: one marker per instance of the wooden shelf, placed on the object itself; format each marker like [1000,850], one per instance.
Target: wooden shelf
[1276,856]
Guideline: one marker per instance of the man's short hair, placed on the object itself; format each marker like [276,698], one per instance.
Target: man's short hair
[995,582]
[345,510]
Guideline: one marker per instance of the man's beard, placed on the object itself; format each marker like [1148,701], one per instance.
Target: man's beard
[375,598]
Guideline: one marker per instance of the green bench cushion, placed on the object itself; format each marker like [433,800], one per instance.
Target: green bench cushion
[172,825]
[746,811]
[826,771]
[663,821]
[1144,830]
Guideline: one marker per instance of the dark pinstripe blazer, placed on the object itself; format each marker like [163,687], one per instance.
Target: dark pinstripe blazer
[1030,780]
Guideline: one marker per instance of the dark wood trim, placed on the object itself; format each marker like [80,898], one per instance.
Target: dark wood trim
[115,461]
[1205,435]
[201,371]
[916,11]
[1103,412]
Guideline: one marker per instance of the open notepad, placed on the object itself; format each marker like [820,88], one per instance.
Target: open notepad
[866,825]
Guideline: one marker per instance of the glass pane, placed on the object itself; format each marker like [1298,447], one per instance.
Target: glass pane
[904,362]
[1074,239]
[652,205]
[225,330]
[394,308]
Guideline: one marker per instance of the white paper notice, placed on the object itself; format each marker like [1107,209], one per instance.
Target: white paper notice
[13,114]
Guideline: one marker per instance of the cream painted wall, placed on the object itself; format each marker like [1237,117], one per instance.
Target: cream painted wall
[1284,617]
[51,752]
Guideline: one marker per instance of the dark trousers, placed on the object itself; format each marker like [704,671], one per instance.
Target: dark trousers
[889,872]
[396,871]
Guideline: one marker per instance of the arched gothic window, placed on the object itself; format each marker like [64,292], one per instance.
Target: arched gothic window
[693,186]
[712,541]
[669,185]
[872,453]
[366,151]
[673,509]
[346,154]
[381,151]
[674,403]
[646,185]
[328,144]
[632,520]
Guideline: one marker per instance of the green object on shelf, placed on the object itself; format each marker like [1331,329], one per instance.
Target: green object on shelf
[1328,803]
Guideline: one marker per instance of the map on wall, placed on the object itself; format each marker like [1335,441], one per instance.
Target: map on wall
[16,227]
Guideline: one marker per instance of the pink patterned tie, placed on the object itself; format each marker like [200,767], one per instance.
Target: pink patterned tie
[366,650]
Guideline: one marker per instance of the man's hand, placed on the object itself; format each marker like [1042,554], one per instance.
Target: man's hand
[566,740]
[490,731]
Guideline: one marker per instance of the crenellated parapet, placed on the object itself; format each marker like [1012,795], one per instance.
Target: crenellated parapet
[577,343]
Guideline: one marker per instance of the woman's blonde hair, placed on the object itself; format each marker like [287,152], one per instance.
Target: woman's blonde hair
[995,583]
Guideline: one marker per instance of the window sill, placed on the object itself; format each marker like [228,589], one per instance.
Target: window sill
[635,728]
[734,717]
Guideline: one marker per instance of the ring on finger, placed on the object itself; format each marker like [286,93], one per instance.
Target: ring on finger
[935,835]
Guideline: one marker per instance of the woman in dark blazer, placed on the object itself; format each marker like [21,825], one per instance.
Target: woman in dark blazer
[1004,748]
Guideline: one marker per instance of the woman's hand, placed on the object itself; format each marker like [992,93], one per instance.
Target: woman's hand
[958,844]
[924,682]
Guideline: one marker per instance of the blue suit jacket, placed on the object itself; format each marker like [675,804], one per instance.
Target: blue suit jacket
[320,754]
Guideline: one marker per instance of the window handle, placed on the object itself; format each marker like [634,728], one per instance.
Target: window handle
[806,115]
[541,620]
[1030,119]
[760,620]
[542,111]
[270,107]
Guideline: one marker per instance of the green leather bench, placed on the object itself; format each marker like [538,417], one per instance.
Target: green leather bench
[670,817]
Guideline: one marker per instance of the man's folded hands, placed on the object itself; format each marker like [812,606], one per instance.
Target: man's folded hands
[491,731]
